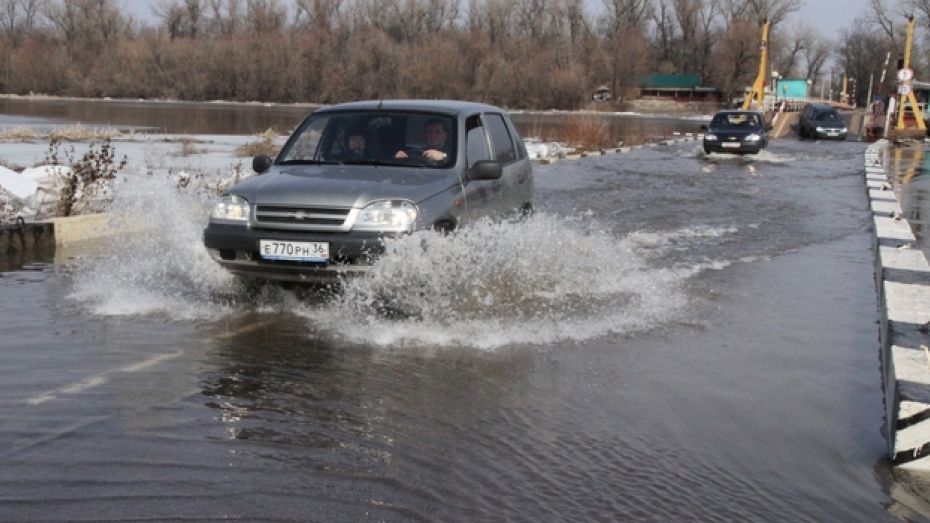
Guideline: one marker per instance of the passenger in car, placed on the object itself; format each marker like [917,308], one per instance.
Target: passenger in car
[355,146]
[437,149]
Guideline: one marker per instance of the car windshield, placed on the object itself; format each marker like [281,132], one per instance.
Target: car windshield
[827,116]
[374,138]
[736,121]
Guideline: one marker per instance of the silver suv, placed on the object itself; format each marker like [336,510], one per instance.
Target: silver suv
[353,174]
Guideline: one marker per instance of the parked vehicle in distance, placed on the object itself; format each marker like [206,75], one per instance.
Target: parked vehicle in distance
[737,132]
[819,120]
[353,174]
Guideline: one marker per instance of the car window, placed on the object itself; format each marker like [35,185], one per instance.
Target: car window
[477,146]
[305,146]
[500,138]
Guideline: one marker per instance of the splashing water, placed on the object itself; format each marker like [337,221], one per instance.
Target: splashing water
[536,281]
[545,279]
[764,156]
[155,261]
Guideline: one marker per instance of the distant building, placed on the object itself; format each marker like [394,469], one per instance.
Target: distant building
[677,87]
[792,89]
[601,94]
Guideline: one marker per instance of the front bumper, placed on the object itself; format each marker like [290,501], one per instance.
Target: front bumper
[235,247]
[716,146]
[830,134]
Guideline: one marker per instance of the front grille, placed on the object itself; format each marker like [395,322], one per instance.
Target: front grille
[301,217]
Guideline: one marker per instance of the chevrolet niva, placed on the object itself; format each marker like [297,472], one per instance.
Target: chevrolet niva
[353,174]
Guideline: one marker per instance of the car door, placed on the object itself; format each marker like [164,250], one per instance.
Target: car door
[507,193]
[477,148]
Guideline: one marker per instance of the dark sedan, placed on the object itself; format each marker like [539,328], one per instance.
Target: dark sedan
[821,121]
[737,132]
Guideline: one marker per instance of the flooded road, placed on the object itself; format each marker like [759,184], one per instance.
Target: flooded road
[672,337]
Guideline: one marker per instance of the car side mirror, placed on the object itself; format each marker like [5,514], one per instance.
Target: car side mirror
[704,128]
[261,163]
[485,170]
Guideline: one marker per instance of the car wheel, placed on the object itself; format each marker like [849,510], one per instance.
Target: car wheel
[444,227]
[707,150]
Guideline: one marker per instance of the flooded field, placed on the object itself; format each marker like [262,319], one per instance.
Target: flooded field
[234,118]
[672,337]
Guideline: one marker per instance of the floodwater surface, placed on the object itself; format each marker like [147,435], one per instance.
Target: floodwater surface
[238,118]
[672,337]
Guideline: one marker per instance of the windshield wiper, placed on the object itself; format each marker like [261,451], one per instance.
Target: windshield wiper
[381,162]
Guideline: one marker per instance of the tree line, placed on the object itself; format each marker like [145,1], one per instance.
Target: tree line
[514,53]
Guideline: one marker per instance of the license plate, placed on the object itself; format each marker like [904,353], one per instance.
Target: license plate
[729,145]
[294,251]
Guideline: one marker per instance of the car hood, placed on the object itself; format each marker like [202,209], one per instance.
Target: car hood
[343,185]
[828,124]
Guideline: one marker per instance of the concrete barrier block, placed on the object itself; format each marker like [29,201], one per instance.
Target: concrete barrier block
[19,240]
[911,260]
[880,194]
[886,207]
[625,150]
[891,229]
[72,229]
[907,303]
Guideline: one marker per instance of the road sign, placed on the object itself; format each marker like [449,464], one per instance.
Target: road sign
[904,89]
[905,75]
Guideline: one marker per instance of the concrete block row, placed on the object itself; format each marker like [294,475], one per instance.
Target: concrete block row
[902,277]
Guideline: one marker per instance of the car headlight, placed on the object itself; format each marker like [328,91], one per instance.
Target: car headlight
[387,215]
[752,137]
[820,129]
[231,208]
[710,137]
[844,130]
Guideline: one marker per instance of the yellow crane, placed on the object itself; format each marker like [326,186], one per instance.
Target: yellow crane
[905,90]
[757,94]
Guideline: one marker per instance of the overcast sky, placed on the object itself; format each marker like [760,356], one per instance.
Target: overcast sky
[828,15]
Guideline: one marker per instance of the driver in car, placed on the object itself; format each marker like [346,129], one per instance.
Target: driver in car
[437,150]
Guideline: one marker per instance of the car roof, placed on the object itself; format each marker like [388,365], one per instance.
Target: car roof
[822,106]
[737,111]
[450,107]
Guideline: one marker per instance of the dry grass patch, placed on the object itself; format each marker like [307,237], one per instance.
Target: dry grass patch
[587,132]
[189,146]
[79,133]
[19,134]
[264,145]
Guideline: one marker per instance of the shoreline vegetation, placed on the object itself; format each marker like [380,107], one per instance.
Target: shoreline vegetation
[533,54]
